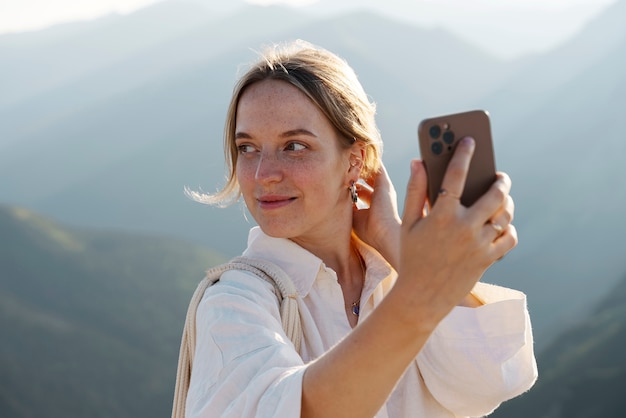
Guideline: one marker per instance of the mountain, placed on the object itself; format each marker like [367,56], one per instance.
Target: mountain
[115,146]
[91,324]
[168,128]
[70,51]
[565,155]
[91,320]
[539,76]
[114,57]
[583,373]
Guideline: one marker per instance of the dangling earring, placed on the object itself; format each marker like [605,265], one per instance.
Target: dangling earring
[353,193]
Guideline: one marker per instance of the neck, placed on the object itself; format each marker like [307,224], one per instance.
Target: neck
[345,260]
[338,254]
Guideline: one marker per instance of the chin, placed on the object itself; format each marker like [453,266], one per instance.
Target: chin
[276,231]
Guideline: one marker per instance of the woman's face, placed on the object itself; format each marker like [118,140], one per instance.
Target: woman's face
[293,175]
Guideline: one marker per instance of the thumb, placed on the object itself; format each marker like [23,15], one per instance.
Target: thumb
[415,194]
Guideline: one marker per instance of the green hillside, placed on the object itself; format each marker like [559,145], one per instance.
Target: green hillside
[90,321]
[582,374]
[126,115]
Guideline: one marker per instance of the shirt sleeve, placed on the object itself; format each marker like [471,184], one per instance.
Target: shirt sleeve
[244,364]
[479,357]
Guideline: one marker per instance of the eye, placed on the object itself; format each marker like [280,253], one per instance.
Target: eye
[245,148]
[295,146]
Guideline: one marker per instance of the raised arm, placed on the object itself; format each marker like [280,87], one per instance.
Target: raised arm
[439,259]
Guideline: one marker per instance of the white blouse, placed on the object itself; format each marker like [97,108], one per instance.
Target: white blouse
[245,366]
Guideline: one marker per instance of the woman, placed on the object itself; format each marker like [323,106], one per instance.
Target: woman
[394,321]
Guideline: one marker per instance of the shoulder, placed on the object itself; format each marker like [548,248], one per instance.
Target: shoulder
[236,291]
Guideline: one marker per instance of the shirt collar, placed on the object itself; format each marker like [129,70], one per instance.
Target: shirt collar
[377,269]
[303,266]
[299,264]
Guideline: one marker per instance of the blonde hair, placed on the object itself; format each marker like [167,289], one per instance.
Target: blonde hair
[329,82]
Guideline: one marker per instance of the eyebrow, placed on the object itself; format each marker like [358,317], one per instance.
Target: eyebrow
[296,132]
[286,134]
[242,135]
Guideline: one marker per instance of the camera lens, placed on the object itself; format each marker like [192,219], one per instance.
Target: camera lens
[448,137]
[436,148]
[434,131]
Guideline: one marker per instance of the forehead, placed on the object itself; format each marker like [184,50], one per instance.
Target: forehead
[277,103]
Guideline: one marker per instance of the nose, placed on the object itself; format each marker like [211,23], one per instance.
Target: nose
[268,169]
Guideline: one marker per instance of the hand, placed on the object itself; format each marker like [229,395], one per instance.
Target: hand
[379,226]
[444,254]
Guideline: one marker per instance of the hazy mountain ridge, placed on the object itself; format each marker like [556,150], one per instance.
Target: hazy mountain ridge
[583,374]
[565,156]
[135,150]
[185,110]
[542,74]
[45,62]
[91,320]
[91,323]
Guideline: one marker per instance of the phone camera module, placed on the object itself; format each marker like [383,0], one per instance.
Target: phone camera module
[448,137]
[434,131]
[436,148]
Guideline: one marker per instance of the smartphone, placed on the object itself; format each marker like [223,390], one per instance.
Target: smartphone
[438,137]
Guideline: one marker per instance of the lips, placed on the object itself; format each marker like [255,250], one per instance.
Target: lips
[274,201]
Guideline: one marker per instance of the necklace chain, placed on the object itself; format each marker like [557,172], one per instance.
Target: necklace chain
[355,307]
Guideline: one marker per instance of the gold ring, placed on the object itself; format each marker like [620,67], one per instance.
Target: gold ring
[497,227]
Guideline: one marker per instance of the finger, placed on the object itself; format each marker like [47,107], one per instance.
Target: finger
[505,242]
[498,224]
[364,195]
[378,186]
[382,176]
[456,172]
[505,214]
[494,230]
[490,205]
[383,180]
[415,194]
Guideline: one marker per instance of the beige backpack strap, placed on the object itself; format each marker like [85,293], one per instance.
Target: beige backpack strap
[290,317]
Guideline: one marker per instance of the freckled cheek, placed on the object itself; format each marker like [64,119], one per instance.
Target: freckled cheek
[317,181]
[304,171]
[245,173]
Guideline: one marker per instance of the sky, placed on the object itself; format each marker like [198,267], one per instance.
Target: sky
[508,28]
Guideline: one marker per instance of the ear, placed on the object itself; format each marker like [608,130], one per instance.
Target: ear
[356,158]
